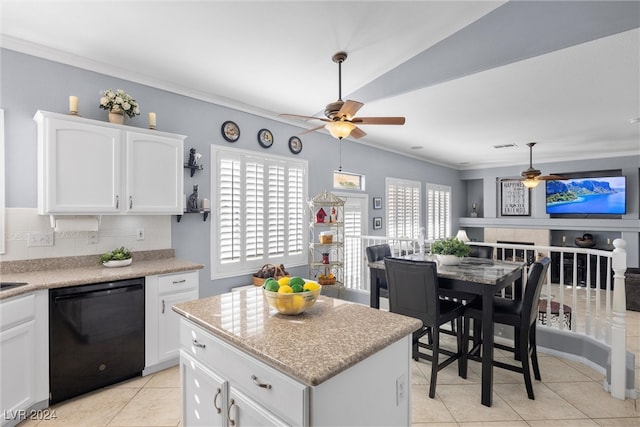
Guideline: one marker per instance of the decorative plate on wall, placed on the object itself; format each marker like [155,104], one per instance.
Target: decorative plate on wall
[230,131]
[295,145]
[265,138]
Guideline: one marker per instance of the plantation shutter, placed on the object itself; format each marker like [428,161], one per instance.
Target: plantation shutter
[438,211]
[403,208]
[259,202]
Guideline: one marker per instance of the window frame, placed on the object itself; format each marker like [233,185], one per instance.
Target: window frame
[416,213]
[293,217]
[431,223]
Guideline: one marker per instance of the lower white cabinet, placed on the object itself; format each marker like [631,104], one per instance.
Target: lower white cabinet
[162,324]
[205,394]
[223,387]
[24,344]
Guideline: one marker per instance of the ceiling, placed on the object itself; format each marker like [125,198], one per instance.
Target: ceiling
[468,76]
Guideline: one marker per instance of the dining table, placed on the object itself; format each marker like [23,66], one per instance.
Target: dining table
[475,276]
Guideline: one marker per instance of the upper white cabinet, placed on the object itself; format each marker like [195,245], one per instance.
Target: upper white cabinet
[91,167]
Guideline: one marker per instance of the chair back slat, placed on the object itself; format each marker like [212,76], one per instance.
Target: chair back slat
[413,289]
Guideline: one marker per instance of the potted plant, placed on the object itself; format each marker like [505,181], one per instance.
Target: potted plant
[450,251]
[119,257]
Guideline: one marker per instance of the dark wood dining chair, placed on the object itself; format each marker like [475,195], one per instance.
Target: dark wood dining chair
[379,253]
[522,315]
[414,291]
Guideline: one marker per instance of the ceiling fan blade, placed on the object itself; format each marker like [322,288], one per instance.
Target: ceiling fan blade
[311,130]
[551,178]
[349,109]
[297,116]
[357,133]
[379,120]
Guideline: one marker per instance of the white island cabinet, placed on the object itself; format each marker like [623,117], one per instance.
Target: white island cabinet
[24,359]
[341,364]
[92,167]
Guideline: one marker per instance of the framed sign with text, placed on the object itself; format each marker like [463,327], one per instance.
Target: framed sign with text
[514,199]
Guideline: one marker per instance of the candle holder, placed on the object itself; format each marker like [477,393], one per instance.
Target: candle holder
[73,105]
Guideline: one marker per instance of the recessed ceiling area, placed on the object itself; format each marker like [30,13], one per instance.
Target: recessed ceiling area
[468,76]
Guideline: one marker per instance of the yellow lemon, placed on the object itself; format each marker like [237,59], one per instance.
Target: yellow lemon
[297,303]
[284,304]
[311,286]
[285,289]
[284,281]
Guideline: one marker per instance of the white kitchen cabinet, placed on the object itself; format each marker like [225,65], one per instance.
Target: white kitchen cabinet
[24,346]
[92,167]
[154,174]
[250,392]
[205,394]
[162,324]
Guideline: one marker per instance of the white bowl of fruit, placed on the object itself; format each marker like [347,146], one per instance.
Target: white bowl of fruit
[291,296]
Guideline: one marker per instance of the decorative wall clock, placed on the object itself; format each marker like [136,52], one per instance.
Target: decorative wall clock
[265,138]
[230,131]
[295,145]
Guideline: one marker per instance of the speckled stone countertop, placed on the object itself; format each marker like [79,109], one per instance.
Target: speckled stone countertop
[52,273]
[478,270]
[311,347]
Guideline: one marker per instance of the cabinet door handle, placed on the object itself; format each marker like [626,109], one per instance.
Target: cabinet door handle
[257,382]
[175,282]
[162,306]
[197,344]
[215,399]
[231,404]
[117,202]
[130,202]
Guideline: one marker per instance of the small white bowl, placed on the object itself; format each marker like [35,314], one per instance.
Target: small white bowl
[118,263]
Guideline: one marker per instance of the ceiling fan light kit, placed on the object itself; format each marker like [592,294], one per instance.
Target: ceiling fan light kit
[340,129]
[531,176]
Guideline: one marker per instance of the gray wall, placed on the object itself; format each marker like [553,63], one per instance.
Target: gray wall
[29,84]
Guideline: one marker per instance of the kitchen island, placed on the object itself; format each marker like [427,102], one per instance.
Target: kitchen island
[338,363]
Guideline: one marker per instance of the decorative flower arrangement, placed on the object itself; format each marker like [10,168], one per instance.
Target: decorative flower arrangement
[118,101]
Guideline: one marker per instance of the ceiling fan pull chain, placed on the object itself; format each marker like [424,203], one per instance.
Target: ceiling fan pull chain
[340,154]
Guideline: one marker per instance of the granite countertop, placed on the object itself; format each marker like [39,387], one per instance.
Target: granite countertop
[311,347]
[52,273]
[478,270]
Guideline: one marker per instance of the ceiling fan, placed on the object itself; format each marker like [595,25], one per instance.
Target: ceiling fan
[531,176]
[340,120]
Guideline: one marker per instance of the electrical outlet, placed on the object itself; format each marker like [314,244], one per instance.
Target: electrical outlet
[93,237]
[140,234]
[40,239]
[401,389]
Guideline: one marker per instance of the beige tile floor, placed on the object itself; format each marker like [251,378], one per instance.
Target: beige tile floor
[570,394]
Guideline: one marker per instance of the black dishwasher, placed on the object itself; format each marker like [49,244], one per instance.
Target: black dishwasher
[96,336]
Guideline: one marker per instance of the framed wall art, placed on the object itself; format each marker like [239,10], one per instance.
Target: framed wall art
[377,203]
[377,223]
[295,145]
[347,181]
[515,199]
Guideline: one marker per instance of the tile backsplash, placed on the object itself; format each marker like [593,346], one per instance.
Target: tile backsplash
[114,231]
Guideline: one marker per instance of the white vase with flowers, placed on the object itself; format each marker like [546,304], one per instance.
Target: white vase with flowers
[119,104]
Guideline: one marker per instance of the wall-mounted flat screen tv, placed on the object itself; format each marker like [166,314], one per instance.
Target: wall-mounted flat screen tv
[598,196]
